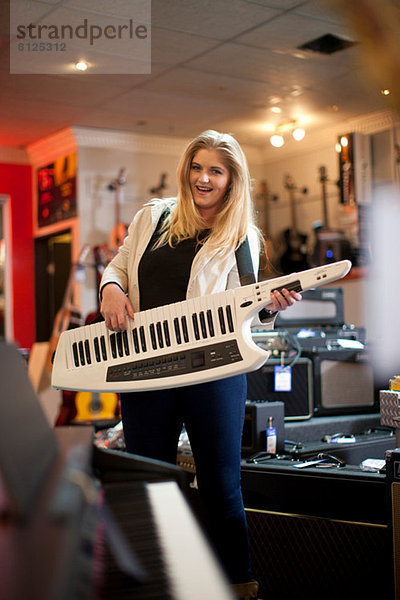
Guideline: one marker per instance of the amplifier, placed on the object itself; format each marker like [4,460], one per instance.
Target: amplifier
[295,390]
[255,423]
[318,533]
[318,307]
[343,382]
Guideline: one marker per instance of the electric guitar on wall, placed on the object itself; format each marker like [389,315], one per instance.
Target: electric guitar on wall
[67,316]
[295,256]
[331,245]
[271,246]
[120,230]
[158,190]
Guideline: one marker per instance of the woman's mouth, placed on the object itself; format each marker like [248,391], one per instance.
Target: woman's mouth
[203,189]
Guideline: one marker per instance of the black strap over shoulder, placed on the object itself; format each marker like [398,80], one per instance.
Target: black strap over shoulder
[245,263]
[156,232]
[246,273]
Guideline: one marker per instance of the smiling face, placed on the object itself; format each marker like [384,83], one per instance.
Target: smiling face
[209,181]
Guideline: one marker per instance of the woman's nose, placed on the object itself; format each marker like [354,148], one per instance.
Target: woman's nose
[204,176]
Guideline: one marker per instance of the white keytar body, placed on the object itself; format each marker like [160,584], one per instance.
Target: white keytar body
[216,354]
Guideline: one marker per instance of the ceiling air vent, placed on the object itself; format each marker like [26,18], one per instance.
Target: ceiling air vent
[327,44]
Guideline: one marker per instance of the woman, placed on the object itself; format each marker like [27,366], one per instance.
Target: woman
[180,248]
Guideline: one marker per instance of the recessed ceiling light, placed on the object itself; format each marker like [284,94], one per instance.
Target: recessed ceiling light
[81,65]
[276,109]
[385,92]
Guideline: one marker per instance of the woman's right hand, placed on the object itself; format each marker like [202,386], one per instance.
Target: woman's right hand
[114,307]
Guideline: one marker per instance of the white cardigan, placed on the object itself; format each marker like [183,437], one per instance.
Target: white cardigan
[210,273]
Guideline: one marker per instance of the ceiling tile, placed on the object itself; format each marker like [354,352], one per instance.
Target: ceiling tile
[220,20]
[177,47]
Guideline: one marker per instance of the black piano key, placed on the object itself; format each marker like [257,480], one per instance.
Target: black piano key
[125,343]
[87,353]
[118,338]
[221,319]
[230,318]
[195,326]
[142,338]
[203,324]
[75,353]
[177,331]
[153,336]
[103,347]
[113,345]
[81,353]
[210,323]
[185,329]
[97,349]
[166,333]
[159,334]
[135,340]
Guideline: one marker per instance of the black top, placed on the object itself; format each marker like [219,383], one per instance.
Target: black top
[164,273]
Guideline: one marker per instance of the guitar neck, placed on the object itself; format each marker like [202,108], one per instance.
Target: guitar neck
[323,179]
[293,211]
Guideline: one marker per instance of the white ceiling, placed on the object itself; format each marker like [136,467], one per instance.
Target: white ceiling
[215,64]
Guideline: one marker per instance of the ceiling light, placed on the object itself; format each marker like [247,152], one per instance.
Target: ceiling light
[286,128]
[276,109]
[344,141]
[81,65]
[338,147]
[277,140]
[298,134]
[385,92]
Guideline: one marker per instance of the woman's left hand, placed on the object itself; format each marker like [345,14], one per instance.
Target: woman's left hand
[281,300]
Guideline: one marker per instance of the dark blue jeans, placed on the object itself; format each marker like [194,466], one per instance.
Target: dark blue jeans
[213,415]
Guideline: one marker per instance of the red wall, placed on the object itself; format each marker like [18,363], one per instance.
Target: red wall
[16,182]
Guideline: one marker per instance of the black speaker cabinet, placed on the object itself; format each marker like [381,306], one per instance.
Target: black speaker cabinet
[298,399]
[296,556]
[318,534]
[255,423]
[343,383]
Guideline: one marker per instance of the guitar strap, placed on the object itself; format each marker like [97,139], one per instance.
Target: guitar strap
[246,273]
[245,263]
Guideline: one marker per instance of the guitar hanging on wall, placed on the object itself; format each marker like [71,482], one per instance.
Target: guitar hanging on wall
[67,316]
[331,245]
[271,246]
[158,190]
[295,256]
[120,230]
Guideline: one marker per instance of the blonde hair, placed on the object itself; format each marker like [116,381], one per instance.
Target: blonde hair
[236,215]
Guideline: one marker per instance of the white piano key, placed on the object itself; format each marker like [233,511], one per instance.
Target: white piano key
[192,567]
